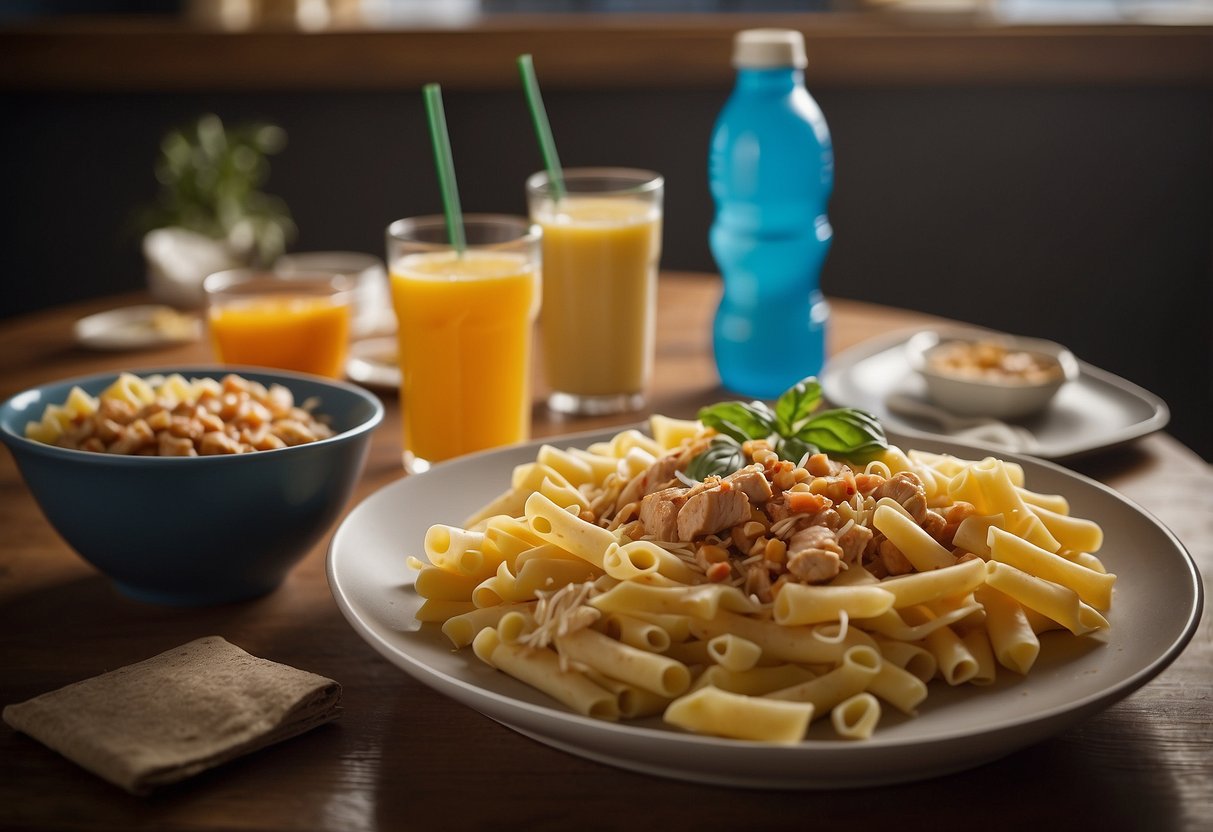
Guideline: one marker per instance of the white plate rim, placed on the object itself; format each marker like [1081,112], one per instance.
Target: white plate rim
[521,716]
[97,331]
[362,368]
[840,365]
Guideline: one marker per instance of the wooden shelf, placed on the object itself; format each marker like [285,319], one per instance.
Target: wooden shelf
[589,52]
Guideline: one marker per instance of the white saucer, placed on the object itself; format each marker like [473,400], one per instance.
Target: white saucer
[372,363]
[1096,411]
[135,327]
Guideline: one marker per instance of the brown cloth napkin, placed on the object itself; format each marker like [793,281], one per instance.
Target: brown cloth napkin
[176,714]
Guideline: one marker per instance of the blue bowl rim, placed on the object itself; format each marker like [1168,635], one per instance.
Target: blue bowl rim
[18,440]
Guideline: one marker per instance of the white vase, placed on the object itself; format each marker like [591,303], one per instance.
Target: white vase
[178,260]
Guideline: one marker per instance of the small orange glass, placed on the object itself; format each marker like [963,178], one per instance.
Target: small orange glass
[299,323]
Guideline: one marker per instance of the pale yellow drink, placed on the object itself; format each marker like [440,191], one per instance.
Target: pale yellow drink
[600,256]
[465,344]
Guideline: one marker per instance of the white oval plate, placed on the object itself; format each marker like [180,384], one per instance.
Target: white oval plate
[1097,410]
[133,328]
[955,729]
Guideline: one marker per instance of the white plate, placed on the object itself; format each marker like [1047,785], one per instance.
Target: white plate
[956,729]
[134,328]
[1096,411]
[372,363]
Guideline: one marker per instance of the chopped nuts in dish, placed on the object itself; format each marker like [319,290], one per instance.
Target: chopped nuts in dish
[992,362]
[172,416]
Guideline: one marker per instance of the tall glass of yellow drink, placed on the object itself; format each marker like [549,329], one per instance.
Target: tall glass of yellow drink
[260,319]
[601,247]
[464,329]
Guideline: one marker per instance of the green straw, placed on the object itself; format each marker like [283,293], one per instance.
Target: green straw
[547,146]
[446,167]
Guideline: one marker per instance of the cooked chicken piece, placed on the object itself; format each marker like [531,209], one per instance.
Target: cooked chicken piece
[656,477]
[954,515]
[876,569]
[661,473]
[854,542]
[758,582]
[934,525]
[752,482]
[906,488]
[712,510]
[659,512]
[814,555]
[815,566]
[831,519]
[894,561]
[777,508]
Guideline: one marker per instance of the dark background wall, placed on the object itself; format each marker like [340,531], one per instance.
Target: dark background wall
[1079,214]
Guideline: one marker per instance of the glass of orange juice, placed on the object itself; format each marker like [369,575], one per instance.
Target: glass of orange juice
[464,330]
[601,247]
[262,319]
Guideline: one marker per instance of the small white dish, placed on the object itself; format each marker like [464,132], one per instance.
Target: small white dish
[972,391]
[957,728]
[373,363]
[137,327]
[1097,410]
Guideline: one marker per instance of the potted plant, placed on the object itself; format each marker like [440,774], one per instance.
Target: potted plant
[210,213]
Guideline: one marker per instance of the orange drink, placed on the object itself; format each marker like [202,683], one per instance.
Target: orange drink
[601,246]
[464,330]
[301,323]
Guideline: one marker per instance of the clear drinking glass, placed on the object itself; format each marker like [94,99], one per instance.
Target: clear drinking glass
[601,247]
[262,319]
[464,332]
[372,307]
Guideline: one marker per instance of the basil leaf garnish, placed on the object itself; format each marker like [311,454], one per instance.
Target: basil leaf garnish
[793,448]
[846,432]
[722,457]
[792,429]
[739,420]
[796,405]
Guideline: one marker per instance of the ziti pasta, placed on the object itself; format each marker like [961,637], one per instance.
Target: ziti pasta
[749,604]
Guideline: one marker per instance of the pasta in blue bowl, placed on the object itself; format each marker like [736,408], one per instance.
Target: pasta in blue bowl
[194,485]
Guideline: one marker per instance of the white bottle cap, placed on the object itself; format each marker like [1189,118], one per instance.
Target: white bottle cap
[768,49]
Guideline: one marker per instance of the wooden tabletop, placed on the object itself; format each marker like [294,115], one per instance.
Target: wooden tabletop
[402,756]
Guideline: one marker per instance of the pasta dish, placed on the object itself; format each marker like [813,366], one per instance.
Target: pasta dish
[749,572]
[174,416]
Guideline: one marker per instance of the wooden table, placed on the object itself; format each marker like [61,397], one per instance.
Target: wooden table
[402,756]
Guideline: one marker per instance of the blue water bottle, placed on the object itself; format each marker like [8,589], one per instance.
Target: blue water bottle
[771,170]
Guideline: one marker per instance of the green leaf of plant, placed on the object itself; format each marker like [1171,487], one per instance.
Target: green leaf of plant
[210,175]
[796,405]
[722,457]
[847,433]
[793,448]
[739,420]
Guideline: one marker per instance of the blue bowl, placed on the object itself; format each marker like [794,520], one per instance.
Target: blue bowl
[196,530]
